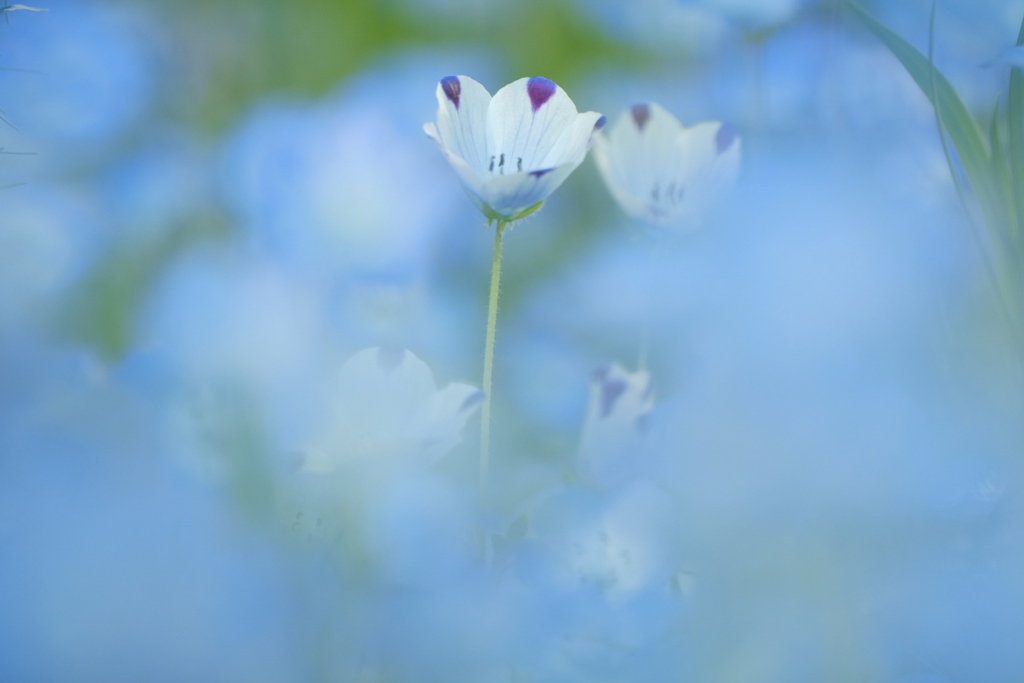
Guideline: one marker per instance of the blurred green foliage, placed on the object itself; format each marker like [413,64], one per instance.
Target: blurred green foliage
[308,46]
[994,170]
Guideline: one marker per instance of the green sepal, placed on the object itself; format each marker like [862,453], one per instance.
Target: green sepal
[493,215]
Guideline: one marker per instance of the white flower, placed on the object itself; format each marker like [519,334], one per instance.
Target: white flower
[620,402]
[662,174]
[513,150]
[388,407]
[620,544]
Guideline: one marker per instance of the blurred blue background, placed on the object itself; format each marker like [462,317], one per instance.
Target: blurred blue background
[207,209]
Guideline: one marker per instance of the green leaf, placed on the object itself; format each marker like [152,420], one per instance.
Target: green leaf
[16,8]
[954,117]
[1015,119]
[1001,169]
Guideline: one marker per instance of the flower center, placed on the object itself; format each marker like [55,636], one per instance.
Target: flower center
[665,200]
[501,164]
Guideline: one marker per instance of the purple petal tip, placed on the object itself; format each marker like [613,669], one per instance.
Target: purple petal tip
[600,123]
[541,173]
[611,389]
[641,114]
[725,137]
[452,88]
[540,91]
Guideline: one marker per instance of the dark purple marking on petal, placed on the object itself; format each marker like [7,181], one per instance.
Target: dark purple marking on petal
[725,137]
[641,115]
[452,88]
[611,389]
[389,358]
[541,173]
[600,123]
[472,401]
[540,90]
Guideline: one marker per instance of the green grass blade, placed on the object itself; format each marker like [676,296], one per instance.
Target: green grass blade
[966,135]
[1015,119]
[1001,168]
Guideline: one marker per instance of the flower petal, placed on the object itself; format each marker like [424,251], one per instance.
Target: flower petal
[641,152]
[507,195]
[662,173]
[380,390]
[709,155]
[524,122]
[471,180]
[574,142]
[462,119]
[620,403]
[439,424]
[615,179]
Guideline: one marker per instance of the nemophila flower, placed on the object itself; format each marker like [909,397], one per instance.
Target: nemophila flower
[366,476]
[662,174]
[389,405]
[620,403]
[620,544]
[511,151]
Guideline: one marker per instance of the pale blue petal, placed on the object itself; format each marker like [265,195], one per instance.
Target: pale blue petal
[462,119]
[510,194]
[471,180]
[522,130]
[574,142]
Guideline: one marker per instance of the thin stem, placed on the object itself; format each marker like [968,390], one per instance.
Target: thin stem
[492,321]
[995,267]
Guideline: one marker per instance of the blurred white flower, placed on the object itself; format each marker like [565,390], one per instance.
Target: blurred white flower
[513,150]
[389,405]
[620,544]
[620,402]
[662,174]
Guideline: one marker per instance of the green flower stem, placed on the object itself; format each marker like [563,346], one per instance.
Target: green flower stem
[492,320]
